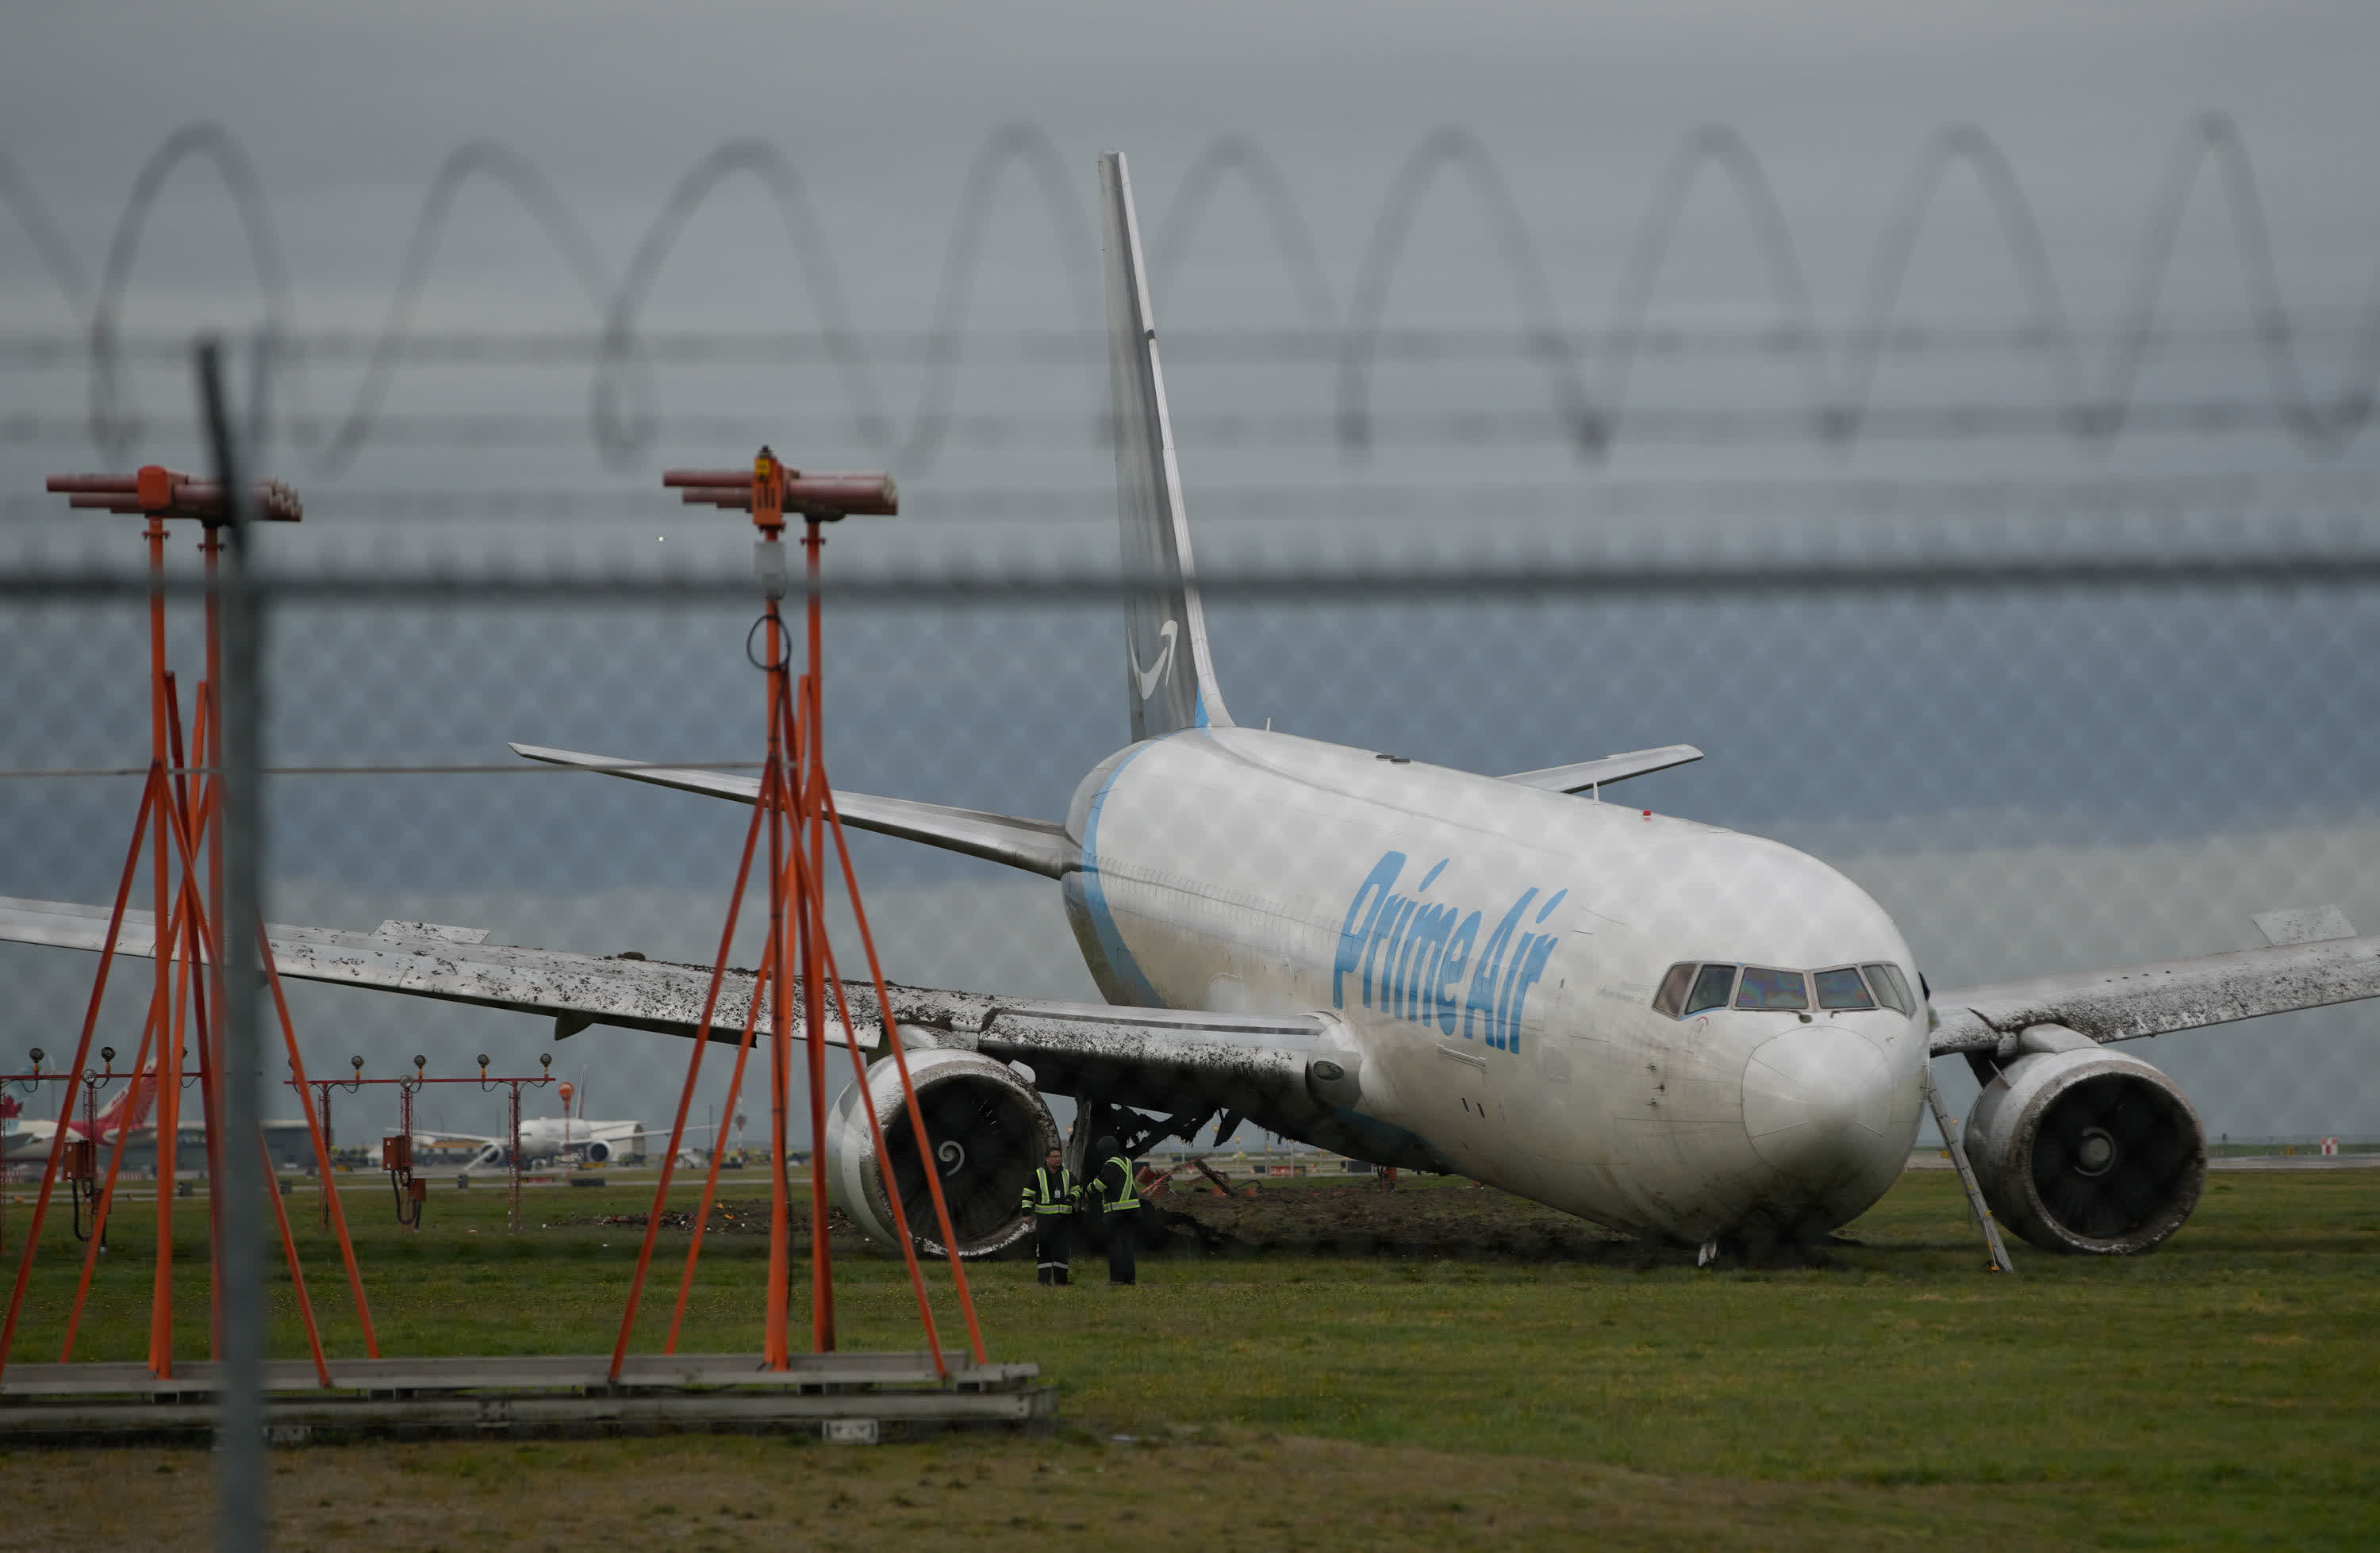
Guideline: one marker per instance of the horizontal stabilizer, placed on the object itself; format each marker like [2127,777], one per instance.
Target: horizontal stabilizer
[1586,775]
[1039,846]
[2158,998]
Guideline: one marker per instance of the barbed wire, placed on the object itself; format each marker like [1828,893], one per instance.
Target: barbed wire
[2088,404]
[2211,336]
[1660,425]
[1664,425]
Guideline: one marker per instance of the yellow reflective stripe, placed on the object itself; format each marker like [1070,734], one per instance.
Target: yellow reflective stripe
[1038,1199]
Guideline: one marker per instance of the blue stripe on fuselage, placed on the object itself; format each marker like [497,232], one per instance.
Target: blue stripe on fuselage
[1136,985]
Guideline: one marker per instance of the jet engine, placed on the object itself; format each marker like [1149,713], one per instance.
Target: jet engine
[989,1130]
[597,1152]
[2081,1148]
[490,1157]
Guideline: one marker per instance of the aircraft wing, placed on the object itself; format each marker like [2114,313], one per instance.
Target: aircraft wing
[2156,999]
[449,964]
[691,1128]
[1583,774]
[1039,846]
[1277,1069]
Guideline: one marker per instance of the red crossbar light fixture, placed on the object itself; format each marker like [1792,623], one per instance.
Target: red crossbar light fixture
[827,495]
[157,492]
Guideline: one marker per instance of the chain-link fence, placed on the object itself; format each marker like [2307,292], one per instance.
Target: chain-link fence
[2035,765]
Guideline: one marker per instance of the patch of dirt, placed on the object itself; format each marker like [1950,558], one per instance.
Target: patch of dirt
[742,1215]
[1429,1221]
[1454,1221]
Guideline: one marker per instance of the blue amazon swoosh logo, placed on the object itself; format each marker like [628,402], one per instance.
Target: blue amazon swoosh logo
[1148,679]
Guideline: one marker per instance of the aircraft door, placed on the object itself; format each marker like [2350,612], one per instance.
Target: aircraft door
[1547,1036]
[1567,1042]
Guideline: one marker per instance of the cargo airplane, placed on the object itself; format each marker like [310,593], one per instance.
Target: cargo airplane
[1668,1028]
[548,1139]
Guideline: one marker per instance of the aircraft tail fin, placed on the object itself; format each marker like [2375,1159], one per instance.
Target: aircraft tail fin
[1170,675]
[130,1108]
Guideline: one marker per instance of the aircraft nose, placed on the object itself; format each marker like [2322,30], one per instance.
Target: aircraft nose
[1818,1102]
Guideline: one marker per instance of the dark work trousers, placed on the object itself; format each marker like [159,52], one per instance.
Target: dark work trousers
[1051,1233]
[1122,1230]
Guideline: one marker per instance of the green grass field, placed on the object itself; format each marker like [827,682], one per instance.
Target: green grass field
[2221,1392]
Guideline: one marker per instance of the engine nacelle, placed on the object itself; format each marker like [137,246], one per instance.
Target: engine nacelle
[989,1129]
[597,1152]
[2081,1148]
[489,1157]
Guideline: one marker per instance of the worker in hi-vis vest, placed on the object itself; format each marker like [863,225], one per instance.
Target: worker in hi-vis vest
[1117,1191]
[1050,1198]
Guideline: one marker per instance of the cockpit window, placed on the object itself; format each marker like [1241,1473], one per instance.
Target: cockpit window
[1843,988]
[1671,998]
[1764,989]
[1891,988]
[1689,989]
[1711,988]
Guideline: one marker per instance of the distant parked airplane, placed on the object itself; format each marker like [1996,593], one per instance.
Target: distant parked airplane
[546,1139]
[138,1099]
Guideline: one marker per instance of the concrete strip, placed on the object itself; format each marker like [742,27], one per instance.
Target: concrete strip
[329,1419]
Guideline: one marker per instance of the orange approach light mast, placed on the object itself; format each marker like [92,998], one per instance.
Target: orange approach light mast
[796,809]
[179,816]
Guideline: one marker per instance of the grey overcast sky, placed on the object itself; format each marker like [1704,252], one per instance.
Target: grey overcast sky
[348,112]
[348,109]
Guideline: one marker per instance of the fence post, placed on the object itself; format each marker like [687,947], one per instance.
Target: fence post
[239,1429]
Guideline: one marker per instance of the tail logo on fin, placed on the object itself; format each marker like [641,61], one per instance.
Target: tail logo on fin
[1150,678]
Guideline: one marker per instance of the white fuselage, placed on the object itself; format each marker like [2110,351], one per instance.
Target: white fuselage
[550,1138]
[1492,952]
